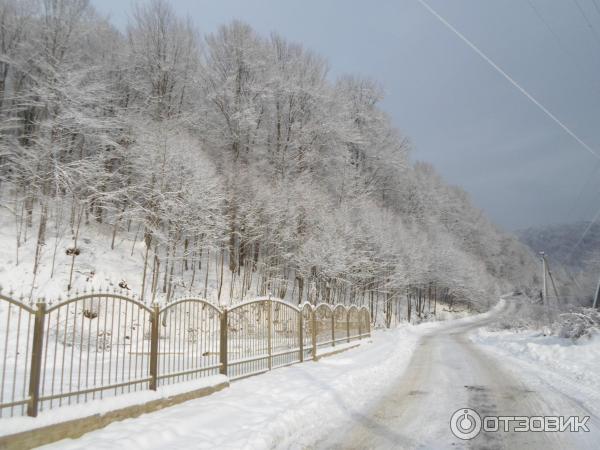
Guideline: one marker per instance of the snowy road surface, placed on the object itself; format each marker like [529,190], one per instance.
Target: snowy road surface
[448,372]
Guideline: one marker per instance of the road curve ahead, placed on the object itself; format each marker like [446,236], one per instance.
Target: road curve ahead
[448,372]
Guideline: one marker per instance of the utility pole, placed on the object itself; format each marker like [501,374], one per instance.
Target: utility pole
[552,281]
[544,283]
[597,296]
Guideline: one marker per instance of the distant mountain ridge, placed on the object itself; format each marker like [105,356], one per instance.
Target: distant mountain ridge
[560,243]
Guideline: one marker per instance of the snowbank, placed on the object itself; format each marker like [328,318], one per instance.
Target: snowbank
[577,361]
[549,362]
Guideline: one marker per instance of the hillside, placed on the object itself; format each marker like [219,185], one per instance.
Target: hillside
[224,165]
[563,243]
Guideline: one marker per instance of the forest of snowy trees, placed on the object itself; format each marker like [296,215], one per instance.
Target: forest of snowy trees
[232,163]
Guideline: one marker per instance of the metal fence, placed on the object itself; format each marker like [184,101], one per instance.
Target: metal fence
[104,344]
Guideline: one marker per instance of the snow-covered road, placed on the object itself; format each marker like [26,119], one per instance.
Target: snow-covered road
[449,372]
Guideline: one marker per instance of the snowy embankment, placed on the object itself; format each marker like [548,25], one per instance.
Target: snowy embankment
[567,365]
[96,267]
[287,407]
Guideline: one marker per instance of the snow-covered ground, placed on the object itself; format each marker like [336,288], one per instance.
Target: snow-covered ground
[576,360]
[288,407]
[18,424]
[571,366]
[97,266]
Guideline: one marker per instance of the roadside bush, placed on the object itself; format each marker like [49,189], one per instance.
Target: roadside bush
[581,323]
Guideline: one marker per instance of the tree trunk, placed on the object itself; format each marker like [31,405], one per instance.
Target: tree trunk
[41,240]
[207,269]
[148,242]
[81,212]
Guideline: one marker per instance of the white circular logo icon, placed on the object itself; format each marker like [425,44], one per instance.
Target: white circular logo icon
[465,424]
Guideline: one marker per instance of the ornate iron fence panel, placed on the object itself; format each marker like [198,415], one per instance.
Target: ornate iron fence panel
[308,331]
[16,342]
[353,323]
[340,324]
[324,325]
[286,339]
[365,322]
[95,345]
[248,338]
[188,341]
[104,344]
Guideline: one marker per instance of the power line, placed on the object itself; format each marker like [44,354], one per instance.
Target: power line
[588,228]
[596,6]
[583,188]
[508,78]
[574,59]
[524,92]
[551,30]
[555,35]
[585,17]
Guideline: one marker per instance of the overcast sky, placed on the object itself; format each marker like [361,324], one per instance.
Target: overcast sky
[476,129]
